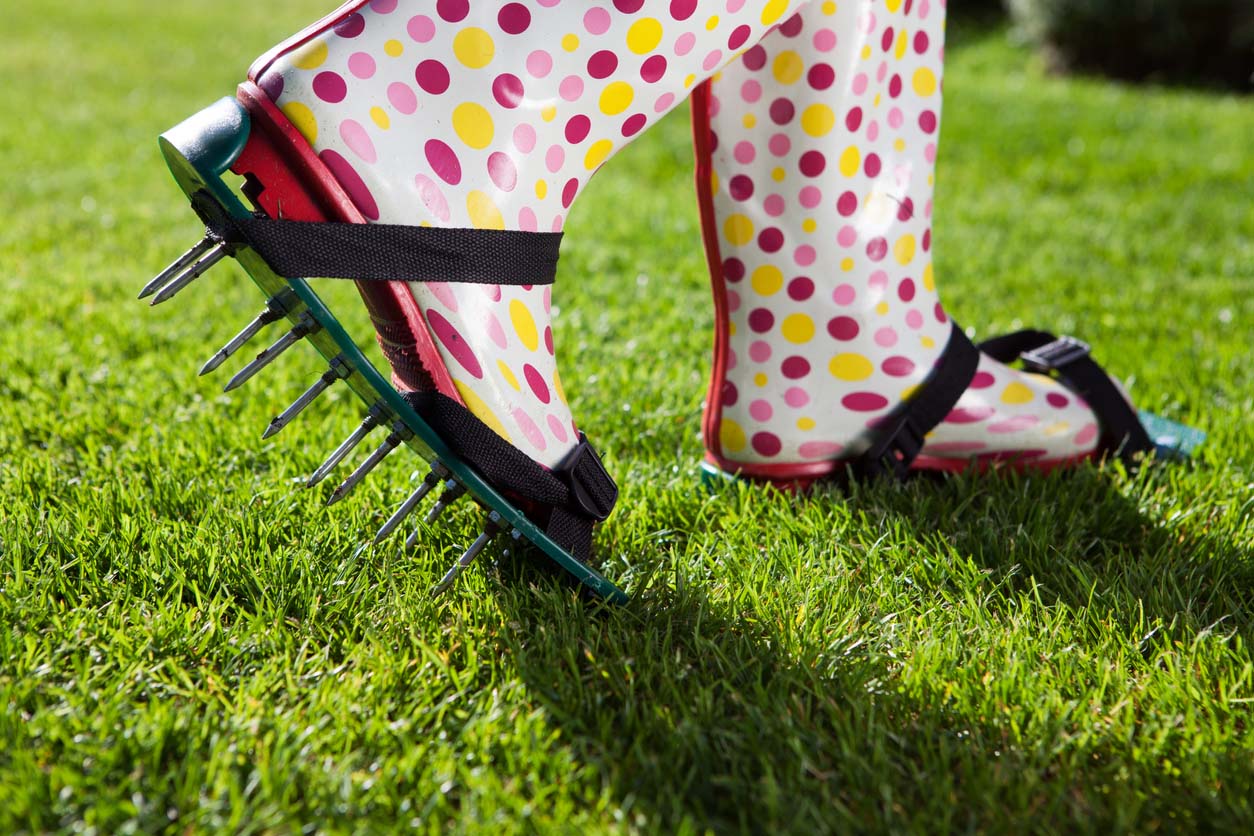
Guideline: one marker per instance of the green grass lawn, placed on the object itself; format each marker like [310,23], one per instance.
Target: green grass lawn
[189,640]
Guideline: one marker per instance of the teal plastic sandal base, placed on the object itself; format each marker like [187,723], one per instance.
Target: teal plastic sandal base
[199,151]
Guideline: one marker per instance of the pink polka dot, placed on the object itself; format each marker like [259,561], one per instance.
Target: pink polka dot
[779,144]
[361,65]
[844,294]
[847,237]
[712,60]
[760,351]
[524,138]
[886,337]
[402,97]
[860,82]
[774,205]
[761,411]
[527,220]
[751,91]
[804,256]
[358,141]
[383,7]
[558,430]
[895,118]
[796,397]
[684,43]
[495,332]
[571,88]
[810,197]
[664,102]
[1019,423]
[444,293]
[421,28]
[503,171]
[539,64]
[432,198]
[970,415]
[529,429]
[733,301]
[744,152]
[554,158]
[914,319]
[596,21]
[820,450]
[878,281]
[1086,436]
[825,40]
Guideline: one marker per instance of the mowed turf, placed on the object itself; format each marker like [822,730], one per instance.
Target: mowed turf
[190,641]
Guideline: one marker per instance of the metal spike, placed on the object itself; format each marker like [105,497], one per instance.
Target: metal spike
[438,474]
[376,418]
[306,326]
[275,310]
[180,264]
[400,433]
[453,491]
[340,369]
[219,252]
[490,533]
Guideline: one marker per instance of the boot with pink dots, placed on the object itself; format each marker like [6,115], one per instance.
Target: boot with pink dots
[430,151]
[833,354]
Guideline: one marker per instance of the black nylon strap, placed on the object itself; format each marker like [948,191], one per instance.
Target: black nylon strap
[903,433]
[389,252]
[1041,351]
[579,491]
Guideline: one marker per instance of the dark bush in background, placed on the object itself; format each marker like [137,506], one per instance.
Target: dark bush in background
[1191,41]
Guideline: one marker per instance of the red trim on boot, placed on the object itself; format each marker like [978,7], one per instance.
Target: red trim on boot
[297,186]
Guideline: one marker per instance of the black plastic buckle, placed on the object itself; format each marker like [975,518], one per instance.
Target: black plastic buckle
[1055,356]
[894,452]
[592,489]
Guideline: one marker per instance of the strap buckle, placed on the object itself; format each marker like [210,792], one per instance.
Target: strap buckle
[1055,356]
[894,452]
[592,489]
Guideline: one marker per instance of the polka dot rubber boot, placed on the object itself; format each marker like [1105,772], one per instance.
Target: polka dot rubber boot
[816,157]
[491,116]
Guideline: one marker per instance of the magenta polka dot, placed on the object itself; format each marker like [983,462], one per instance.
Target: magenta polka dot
[351,26]
[906,290]
[1057,400]
[853,119]
[771,239]
[653,68]
[970,415]
[755,58]
[876,249]
[330,87]
[982,380]
[432,76]
[864,402]
[843,328]
[513,18]
[634,124]
[761,320]
[812,163]
[402,98]
[792,27]
[740,187]
[683,9]
[920,42]
[873,165]
[569,191]
[847,204]
[730,395]
[628,7]
[927,122]
[577,129]
[739,37]
[548,339]
[905,210]
[800,289]
[352,184]
[821,76]
[602,64]
[507,89]
[795,368]
[536,381]
[898,366]
[454,11]
[782,111]
[767,444]
[455,343]
[443,162]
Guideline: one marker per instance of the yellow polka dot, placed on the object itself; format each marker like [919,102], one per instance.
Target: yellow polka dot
[927,342]
[899,145]
[690,80]
[473,124]
[616,98]
[806,424]
[524,325]
[1057,428]
[394,48]
[882,309]
[850,161]
[712,23]
[903,40]
[929,278]
[846,264]
[380,117]
[778,174]
[483,212]
[481,410]
[303,119]
[818,120]
[893,5]
[549,113]
[924,81]
[866,52]
[760,380]
[829,9]
[809,225]
[731,437]
[597,154]
[788,67]
[542,189]
[773,11]
[739,230]
[910,391]
[714,181]
[767,280]
[559,388]
[311,56]
[904,249]
[850,367]
[644,35]
[798,328]
[749,121]
[508,375]
[570,43]
[1017,393]
[473,47]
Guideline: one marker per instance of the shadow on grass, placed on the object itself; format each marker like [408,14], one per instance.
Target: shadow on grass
[700,717]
